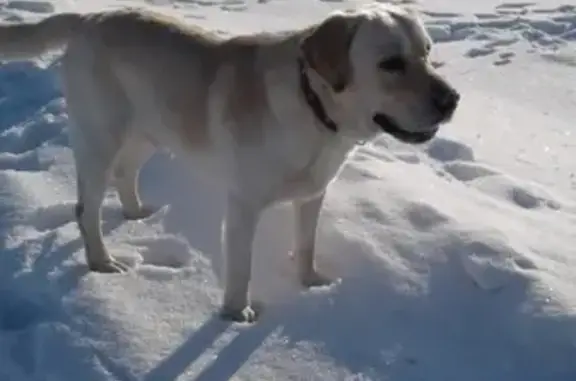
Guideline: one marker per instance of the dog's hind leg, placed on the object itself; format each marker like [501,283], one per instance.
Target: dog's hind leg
[135,152]
[94,155]
[92,179]
[99,121]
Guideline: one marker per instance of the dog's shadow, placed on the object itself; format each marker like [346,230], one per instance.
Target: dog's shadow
[230,358]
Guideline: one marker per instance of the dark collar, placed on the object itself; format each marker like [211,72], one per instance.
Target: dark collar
[313,100]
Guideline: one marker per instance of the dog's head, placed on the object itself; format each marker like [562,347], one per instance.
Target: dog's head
[375,63]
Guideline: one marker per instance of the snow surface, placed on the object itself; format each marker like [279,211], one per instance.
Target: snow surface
[457,259]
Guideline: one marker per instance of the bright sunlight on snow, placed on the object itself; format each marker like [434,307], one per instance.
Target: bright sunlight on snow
[457,259]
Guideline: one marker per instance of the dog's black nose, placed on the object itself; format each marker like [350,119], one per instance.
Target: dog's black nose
[444,98]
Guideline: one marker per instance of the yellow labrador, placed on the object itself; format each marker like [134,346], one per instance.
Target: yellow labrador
[273,117]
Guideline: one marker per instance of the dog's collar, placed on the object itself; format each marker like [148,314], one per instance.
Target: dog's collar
[313,100]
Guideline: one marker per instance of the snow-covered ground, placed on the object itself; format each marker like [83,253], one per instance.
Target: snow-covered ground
[457,259]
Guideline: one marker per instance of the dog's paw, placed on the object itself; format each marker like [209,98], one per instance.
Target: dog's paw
[143,212]
[110,267]
[247,314]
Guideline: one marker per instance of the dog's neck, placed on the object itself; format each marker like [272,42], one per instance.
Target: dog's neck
[313,100]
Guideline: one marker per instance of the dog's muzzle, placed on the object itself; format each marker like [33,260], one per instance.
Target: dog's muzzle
[390,126]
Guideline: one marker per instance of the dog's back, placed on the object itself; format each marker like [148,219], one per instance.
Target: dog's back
[173,68]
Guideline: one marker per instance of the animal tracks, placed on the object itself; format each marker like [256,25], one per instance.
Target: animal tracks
[224,5]
[457,161]
[510,23]
[491,33]
[164,251]
[30,6]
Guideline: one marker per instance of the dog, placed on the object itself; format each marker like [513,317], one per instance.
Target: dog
[273,117]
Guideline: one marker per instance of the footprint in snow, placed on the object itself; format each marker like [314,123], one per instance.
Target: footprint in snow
[371,212]
[486,16]
[515,192]
[480,52]
[560,9]
[164,251]
[445,150]
[28,161]
[458,161]
[443,15]
[424,217]
[408,157]
[501,62]
[504,58]
[489,260]
[467,171]
[514,5]
[52,216]
[205,3]
[510,23]
[31,6]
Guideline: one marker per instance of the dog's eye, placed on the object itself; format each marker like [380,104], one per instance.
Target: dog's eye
[392,64]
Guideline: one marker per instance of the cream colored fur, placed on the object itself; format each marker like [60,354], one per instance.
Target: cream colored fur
[135,81]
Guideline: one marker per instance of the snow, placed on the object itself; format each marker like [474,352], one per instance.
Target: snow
[457,259]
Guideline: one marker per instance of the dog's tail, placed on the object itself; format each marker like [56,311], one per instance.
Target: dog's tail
[28,40]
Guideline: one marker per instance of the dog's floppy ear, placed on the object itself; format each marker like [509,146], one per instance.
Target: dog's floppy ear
[326,49]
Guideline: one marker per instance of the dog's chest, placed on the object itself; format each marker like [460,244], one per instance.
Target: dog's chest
[315,175]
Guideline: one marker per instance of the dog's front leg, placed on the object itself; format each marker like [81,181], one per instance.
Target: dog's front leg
[238,233]
[306,216]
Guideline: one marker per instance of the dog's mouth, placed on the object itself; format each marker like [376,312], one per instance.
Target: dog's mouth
[390,126]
